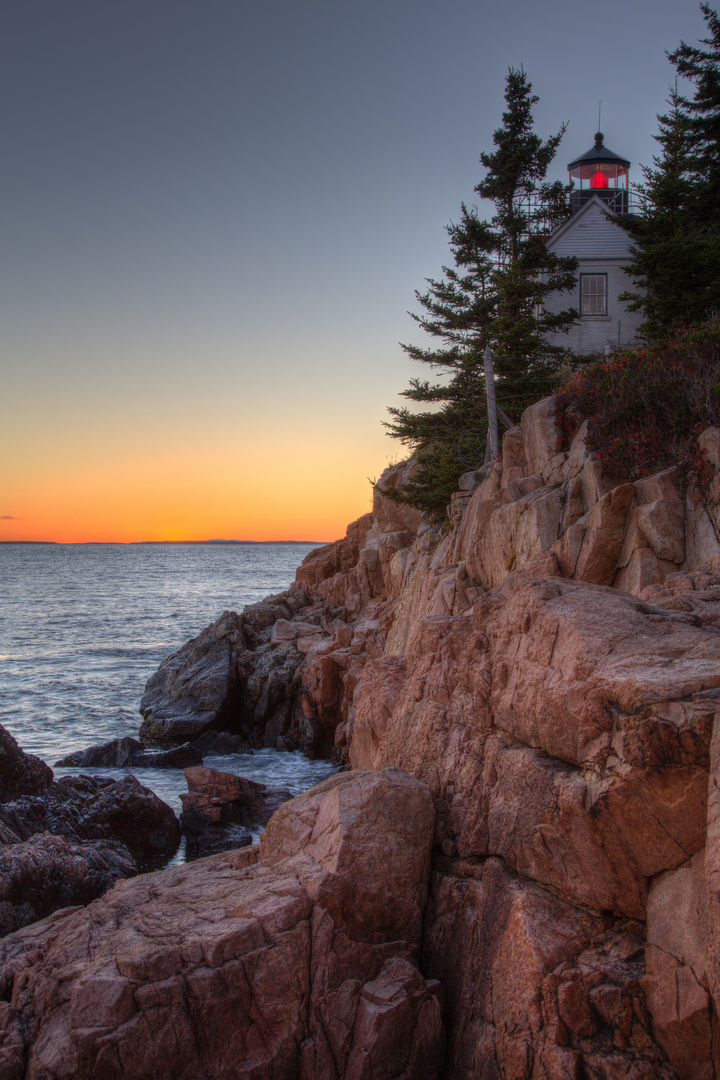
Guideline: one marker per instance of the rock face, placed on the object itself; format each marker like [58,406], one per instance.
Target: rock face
[261,964]
[566,729]
[550,667]
[66,842]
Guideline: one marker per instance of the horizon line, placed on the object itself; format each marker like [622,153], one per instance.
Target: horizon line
[128,543]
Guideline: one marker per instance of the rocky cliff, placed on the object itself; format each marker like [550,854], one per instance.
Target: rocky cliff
[550,668]
[547,672]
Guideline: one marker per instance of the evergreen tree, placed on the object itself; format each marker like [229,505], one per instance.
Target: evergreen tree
[676,250]
[702,68]
[493,296]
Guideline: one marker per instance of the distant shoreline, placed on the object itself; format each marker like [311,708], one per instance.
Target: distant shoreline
[135,543]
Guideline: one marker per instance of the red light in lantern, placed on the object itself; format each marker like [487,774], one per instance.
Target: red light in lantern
[599,180]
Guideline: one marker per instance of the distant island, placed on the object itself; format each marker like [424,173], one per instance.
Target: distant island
[229,542]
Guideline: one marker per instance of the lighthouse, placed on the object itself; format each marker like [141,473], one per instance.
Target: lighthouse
[600,194]
[602,172]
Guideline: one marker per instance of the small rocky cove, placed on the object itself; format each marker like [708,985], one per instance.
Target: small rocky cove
[516,876]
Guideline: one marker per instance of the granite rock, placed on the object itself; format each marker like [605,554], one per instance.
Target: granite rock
[231,967]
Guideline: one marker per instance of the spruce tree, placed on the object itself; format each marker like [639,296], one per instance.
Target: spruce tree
[492,296]
[702,68]
[676,252]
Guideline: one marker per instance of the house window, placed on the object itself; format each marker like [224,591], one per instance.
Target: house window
[593,294]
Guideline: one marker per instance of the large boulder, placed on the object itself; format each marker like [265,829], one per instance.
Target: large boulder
[46,872]
[196,688]
[121,810]
[241,676]
[199,970]
[230,967]
[361,844]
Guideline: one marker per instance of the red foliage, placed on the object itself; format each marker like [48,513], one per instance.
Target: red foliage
[646,407]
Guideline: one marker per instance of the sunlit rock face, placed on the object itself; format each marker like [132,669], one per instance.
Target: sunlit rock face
[551,670]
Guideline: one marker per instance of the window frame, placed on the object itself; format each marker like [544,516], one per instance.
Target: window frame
[593,296]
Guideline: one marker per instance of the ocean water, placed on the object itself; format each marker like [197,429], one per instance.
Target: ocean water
[83,626]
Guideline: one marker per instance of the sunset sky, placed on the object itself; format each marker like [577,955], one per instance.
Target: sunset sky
[214,216]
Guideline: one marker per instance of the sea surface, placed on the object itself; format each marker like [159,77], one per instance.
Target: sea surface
[83,626]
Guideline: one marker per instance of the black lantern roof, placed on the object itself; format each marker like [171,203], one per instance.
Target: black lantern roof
[600,154]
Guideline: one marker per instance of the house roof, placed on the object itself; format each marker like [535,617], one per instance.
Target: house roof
[591,233]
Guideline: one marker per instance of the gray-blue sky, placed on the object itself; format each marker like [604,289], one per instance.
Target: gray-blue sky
[231,202]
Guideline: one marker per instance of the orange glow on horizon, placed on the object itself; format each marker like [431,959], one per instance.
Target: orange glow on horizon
[223,493]
[119,451]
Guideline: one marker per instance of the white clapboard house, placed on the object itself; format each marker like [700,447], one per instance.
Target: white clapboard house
[602,248]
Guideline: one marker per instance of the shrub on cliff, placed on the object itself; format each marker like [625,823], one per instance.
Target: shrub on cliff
[645,407]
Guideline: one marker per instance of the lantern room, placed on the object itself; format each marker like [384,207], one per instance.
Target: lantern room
[600,172]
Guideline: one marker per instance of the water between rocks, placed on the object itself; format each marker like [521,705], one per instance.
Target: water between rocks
[83,626]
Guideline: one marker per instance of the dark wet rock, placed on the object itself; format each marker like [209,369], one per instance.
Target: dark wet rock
[230,678]
[65,842]
[123,810]
[202,839]
[220,810]
[129,753]
[175,725]
[117,753]
[220,743]
[196,688]
[272,679]
[20,773]
[44,873]
[96,808]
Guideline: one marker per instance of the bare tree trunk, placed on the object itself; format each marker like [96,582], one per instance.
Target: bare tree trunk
[491,405]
